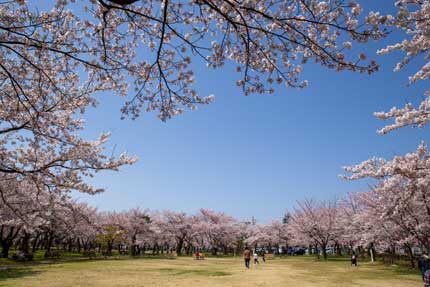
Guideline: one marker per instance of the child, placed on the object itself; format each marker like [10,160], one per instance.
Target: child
[256,258]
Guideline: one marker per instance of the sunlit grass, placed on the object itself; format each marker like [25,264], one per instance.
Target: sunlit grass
[184,272]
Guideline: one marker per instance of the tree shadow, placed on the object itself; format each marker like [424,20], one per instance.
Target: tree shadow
[196,272]
[14,273]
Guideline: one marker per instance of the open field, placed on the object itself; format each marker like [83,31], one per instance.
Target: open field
[213,272]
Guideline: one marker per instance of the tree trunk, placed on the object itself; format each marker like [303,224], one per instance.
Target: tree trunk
[317,253]
[25,242]
[225,250]
[179,246]
[50,239]
[324,251]
[372,255]
[109,246]
[392,254]
[411,255]
[6,239]
[5,250]
[70,247]
[78,245]
[188,249]
[35,242]
[133,246]
[338,249]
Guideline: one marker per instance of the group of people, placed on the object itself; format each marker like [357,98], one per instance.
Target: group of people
[199,255]
[247,257]
[423,263]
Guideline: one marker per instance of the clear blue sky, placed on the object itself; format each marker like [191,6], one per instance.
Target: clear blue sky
[256,155]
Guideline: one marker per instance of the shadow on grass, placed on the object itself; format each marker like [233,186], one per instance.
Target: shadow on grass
[17,273]
[196,272]
[402,270]
[158,257]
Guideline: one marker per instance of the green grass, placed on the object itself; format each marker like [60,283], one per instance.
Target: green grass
[300,271]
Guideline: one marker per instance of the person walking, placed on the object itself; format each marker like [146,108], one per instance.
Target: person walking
[256,258]
[247,256]
[426,278]
[354,259]
[264,256]
[424,264]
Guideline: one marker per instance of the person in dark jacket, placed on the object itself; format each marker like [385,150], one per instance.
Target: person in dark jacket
[354,259]
[423,264]
[426,278]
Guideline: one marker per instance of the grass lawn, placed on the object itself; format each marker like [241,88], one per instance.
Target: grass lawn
[219,272]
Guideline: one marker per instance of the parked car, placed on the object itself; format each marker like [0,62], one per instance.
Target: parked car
[296,251]
[330,250]
[22,256]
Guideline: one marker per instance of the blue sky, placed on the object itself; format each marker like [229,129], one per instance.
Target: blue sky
[256,155]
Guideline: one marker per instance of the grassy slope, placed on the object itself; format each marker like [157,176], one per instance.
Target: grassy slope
[213,272]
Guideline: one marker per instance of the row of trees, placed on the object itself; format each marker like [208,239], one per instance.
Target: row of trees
[365,222]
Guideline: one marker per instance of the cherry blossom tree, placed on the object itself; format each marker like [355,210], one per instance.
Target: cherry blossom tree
[22,210]
[382,228]
[269,42]
[396,208]
[272,234]
[177,226]
[218,229]
[43,98]
[137,226]
[83,229]
[351,222]
[402,191]
[317,222]
[413,19]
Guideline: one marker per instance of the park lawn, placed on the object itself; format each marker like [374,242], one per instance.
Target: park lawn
[212,272]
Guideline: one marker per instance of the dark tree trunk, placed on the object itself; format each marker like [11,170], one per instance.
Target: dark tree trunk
[317,253]
[5,250]
[392,254]
[50,240]
[70,245]
[35,242]
[7,238]
[324,251]
[179,246]
[25,241]
[188,249]
[411,255]
[225,250]
[338,249]
[109,246]
[133,246]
